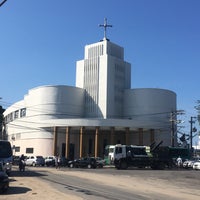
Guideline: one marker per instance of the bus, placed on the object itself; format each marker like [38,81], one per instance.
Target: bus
[6,155]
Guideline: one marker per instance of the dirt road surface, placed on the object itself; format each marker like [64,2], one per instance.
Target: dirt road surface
[33,188]
[23,188]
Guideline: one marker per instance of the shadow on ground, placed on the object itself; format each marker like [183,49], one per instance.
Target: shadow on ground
[16,190]
[20,188]
[27,173]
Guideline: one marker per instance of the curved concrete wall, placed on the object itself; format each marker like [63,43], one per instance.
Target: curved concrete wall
[49,106]
[42,104]
[55,102]
[149,104]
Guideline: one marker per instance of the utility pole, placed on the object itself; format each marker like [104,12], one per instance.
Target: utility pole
[1,121]
[174,122]
[172,129]
[192,121]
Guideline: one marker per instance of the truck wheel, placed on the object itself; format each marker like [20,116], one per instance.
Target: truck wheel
[158,166]
[161,166]
[154,167]
[123,165]
[5,188]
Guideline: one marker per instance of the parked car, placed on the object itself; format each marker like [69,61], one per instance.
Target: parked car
[100,162]
[87,162]
[50,160]
[64,162]
[196,165]
[35,161]
[4,180]
[188,164]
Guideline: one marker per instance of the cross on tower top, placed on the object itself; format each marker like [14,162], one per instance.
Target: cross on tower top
[105,25]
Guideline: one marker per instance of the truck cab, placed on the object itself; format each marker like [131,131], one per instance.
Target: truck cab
[130,155]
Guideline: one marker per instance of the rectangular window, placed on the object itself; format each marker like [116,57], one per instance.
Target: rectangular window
[118,150]
[10,117]
[17,149]
[16,115]
[29,150]
[23,112]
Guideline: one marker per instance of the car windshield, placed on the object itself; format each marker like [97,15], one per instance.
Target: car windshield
[5,150]
[40,157]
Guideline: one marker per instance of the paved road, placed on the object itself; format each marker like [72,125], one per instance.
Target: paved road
[112,184]
[173,181]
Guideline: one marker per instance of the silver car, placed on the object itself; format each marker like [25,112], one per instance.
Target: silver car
[196,165]
[35,161]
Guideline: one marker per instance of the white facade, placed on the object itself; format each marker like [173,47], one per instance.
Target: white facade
[102,100]
[104,75]
[149,104]
[152,107]
[27,120]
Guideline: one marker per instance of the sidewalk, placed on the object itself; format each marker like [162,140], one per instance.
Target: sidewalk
[27,185]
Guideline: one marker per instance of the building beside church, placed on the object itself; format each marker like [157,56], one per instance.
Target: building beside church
[102,109]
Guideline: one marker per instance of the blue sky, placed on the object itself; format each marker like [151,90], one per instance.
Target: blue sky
[41,40]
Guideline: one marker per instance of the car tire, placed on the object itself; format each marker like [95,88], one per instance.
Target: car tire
[123,165]
[5,188]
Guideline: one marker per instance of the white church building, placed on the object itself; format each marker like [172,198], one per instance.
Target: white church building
[101,109]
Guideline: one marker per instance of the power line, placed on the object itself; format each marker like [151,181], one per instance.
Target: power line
[50,112]
[4,1]
[158,118]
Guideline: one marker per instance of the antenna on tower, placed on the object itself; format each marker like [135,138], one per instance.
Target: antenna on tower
[105,26]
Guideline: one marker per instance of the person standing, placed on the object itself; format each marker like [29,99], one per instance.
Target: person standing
[57,161]
[179,162]
[22,163]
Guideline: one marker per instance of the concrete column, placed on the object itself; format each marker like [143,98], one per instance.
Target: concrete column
[81,142]
[140,136]
[127,136]
[96,142]
[67,141]
[112,135]
[152,136]
[55,133]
